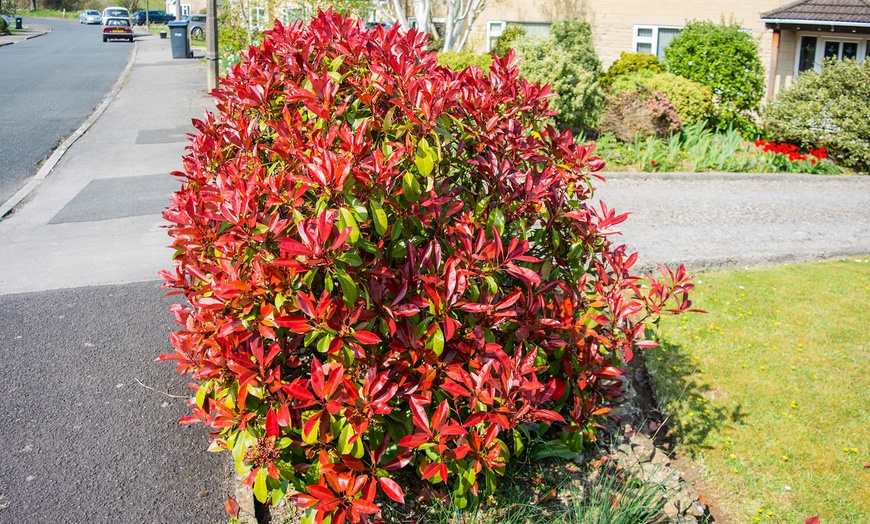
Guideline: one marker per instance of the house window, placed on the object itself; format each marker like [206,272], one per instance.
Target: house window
[807,55]
[495,28]
[813,50]
[258,18]
[292,14]
[653,39]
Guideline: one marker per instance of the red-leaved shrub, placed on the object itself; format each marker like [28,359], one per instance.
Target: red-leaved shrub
[393,265]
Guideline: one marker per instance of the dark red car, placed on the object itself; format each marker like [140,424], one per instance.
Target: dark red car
[119,28]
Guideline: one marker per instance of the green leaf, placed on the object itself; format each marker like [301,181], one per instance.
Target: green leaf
[360,213]
[424,163]
[345,219]
[496,218]
[343,446]
[350,257]
[311,438]
[348,287]
[411,187]
[324,342]
[260,490]
[436,342]
[200,393]
[379,216]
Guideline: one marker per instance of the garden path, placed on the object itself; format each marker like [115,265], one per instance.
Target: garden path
[720,220]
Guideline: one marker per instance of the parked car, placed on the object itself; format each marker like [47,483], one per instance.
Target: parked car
[117,28]
[154,17]
[195,25]
[115,12]
[90,17]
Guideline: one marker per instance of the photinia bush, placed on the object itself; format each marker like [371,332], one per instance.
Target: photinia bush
[393,265]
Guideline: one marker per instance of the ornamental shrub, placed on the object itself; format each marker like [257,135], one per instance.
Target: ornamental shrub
[579,100]
[640,113]
[826,110]
[629,82]
[692,101]
[3,26]
[391,265]
[631,63]
[574,37]
[724,58]
[458,61]
[505,42]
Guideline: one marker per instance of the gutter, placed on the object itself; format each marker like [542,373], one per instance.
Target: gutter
[813,22]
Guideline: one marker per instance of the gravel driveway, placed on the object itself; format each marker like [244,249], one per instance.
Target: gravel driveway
[720,220]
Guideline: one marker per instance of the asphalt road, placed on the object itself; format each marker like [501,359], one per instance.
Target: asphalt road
[48,87]
[84,439]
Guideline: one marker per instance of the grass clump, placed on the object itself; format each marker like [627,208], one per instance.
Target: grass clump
[770,389]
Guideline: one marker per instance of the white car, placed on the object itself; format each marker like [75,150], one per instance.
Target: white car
[90,17]
[114,12]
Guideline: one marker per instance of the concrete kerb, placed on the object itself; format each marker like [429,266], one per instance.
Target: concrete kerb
[58,153]
[15,39]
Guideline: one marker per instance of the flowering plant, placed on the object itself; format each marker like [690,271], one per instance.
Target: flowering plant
[788,158]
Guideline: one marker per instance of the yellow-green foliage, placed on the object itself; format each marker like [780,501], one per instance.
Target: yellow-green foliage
[629,82]
[692,101]
[631,63]
[458,61]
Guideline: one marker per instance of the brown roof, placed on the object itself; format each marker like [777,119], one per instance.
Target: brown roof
[857,11]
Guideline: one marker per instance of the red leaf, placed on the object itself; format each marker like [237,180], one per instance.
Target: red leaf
[366,337]
[232,507]
[298,392]
[812,520]
[321,492]
[431,470]
[271,424]
[415,440]
[189,420]
[305,304]
[419,414]
[295,324]
[523,273]
[364,506]
[392,489]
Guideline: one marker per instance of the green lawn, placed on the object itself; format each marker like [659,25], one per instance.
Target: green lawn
[771,390]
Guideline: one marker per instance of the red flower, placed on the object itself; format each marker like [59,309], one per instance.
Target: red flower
[813,161]
[759,143]
[653,162]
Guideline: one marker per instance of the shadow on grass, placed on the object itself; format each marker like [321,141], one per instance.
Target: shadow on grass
[682,401]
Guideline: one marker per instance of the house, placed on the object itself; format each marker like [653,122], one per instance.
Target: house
[806,32]
[648,27]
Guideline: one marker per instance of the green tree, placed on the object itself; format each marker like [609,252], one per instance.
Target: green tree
[726,59]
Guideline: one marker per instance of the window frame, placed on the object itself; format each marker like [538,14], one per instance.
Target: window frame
[821,40]
[653,40]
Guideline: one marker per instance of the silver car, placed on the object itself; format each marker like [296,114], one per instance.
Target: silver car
[195,26]
[89,17]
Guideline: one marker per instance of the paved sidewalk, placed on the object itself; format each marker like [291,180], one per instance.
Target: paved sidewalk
[29,31]
[95,219]
[89,419]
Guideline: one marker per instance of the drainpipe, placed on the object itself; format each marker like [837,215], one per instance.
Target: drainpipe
[774,63]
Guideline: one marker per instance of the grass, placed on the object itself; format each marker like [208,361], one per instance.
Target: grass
[47,13]
[770,390]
